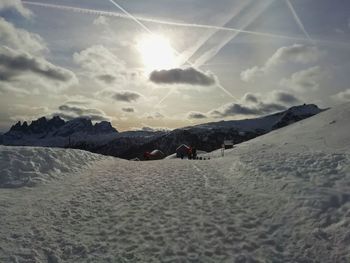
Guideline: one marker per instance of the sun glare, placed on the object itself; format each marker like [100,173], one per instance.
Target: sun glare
[156,53]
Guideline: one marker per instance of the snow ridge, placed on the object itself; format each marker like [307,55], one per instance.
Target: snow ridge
[26,166]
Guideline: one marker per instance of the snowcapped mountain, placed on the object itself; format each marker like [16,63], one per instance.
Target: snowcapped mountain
[266,123]
[57,132]
[210,136]
[104,139]
[281,197]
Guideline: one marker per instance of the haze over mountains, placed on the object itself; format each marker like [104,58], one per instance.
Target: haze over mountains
[103,138]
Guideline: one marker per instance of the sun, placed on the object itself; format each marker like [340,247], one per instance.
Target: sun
[156,53]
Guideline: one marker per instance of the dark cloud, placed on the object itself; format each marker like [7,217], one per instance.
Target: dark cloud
[256,105]
[234,109]
[106,78]
[69,112]
[285,97]
[128,110]
[189,76]
[249,97]
[13,64]
[126,96]
[196,115]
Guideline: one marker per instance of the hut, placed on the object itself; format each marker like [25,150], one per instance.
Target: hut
[182,151]
[228,144]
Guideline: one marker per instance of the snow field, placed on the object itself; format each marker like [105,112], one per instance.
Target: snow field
[238,209]
[26,166]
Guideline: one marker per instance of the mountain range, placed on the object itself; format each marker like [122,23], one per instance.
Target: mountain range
[102,138]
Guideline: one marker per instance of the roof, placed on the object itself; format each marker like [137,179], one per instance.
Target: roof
[182,146]
[157,152]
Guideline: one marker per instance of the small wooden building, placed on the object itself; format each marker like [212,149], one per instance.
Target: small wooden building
[182,151]
[228,144]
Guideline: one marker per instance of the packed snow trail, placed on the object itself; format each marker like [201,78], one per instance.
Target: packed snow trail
[170,211]
[272,199]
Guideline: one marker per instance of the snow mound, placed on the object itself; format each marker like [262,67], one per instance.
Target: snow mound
[25,166]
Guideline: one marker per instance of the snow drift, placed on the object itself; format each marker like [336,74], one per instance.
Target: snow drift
[24,166]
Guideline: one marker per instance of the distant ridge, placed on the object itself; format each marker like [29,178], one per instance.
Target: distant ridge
[102,138]
[51,132]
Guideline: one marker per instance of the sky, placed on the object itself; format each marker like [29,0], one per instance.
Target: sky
[163,64]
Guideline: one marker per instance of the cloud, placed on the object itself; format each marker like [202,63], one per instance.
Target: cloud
[106,78]
[20,92]
[250,98]
[100,64]
[196,115]
[126,96]
[15,5]
[257,105]
[101,20]
[26,112]
[189,76]
[23,65]
[20,71]
[128,110]
[305,80]
[20,39]
[233,109]
[296,54]
[343,96]
[14,63]
[252,73]
[99,58]
[284,97]
[154,116]
[70,112]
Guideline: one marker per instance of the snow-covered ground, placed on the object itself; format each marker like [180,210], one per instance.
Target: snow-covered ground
[283,197]
[26,166]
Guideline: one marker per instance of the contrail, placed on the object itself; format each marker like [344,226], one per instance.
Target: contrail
[164,98]
[215,50]
[297,19]
[226,91]
[149,31]
[135,19]
[157,21]
[193,49]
